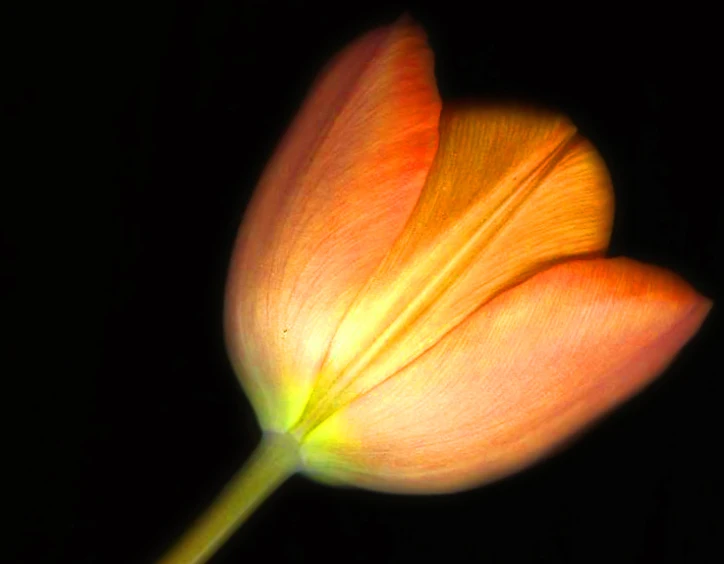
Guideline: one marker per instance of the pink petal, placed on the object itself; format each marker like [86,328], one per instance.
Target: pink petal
[523,374]
[334,197]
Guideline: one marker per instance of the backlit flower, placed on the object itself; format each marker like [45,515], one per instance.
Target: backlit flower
[418,300]
[418,296]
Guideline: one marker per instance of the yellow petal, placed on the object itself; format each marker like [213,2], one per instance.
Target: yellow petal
[509,193]
[332,200]
[521,375]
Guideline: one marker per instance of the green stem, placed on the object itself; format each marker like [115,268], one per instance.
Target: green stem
[274,460]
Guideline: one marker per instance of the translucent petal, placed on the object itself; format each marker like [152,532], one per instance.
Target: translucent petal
[334,197]
[515,379]
[511,191]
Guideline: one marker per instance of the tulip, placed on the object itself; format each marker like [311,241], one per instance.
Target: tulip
[418,299]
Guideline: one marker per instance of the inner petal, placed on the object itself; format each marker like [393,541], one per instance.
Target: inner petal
[509,193]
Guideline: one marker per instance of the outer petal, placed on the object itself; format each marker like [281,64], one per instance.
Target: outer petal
[331,202]
[518,377]
[511,191]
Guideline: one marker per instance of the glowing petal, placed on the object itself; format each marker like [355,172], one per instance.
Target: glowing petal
[510,192]
[335,196]
[518,377]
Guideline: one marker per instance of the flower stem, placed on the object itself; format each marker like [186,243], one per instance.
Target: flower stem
[274,460]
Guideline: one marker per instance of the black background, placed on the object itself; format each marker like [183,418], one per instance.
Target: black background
[137,136]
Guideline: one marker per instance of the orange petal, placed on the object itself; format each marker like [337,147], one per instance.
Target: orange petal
[521,375]
[510,192]
[334,197]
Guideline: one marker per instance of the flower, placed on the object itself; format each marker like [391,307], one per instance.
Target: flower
[418,297]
